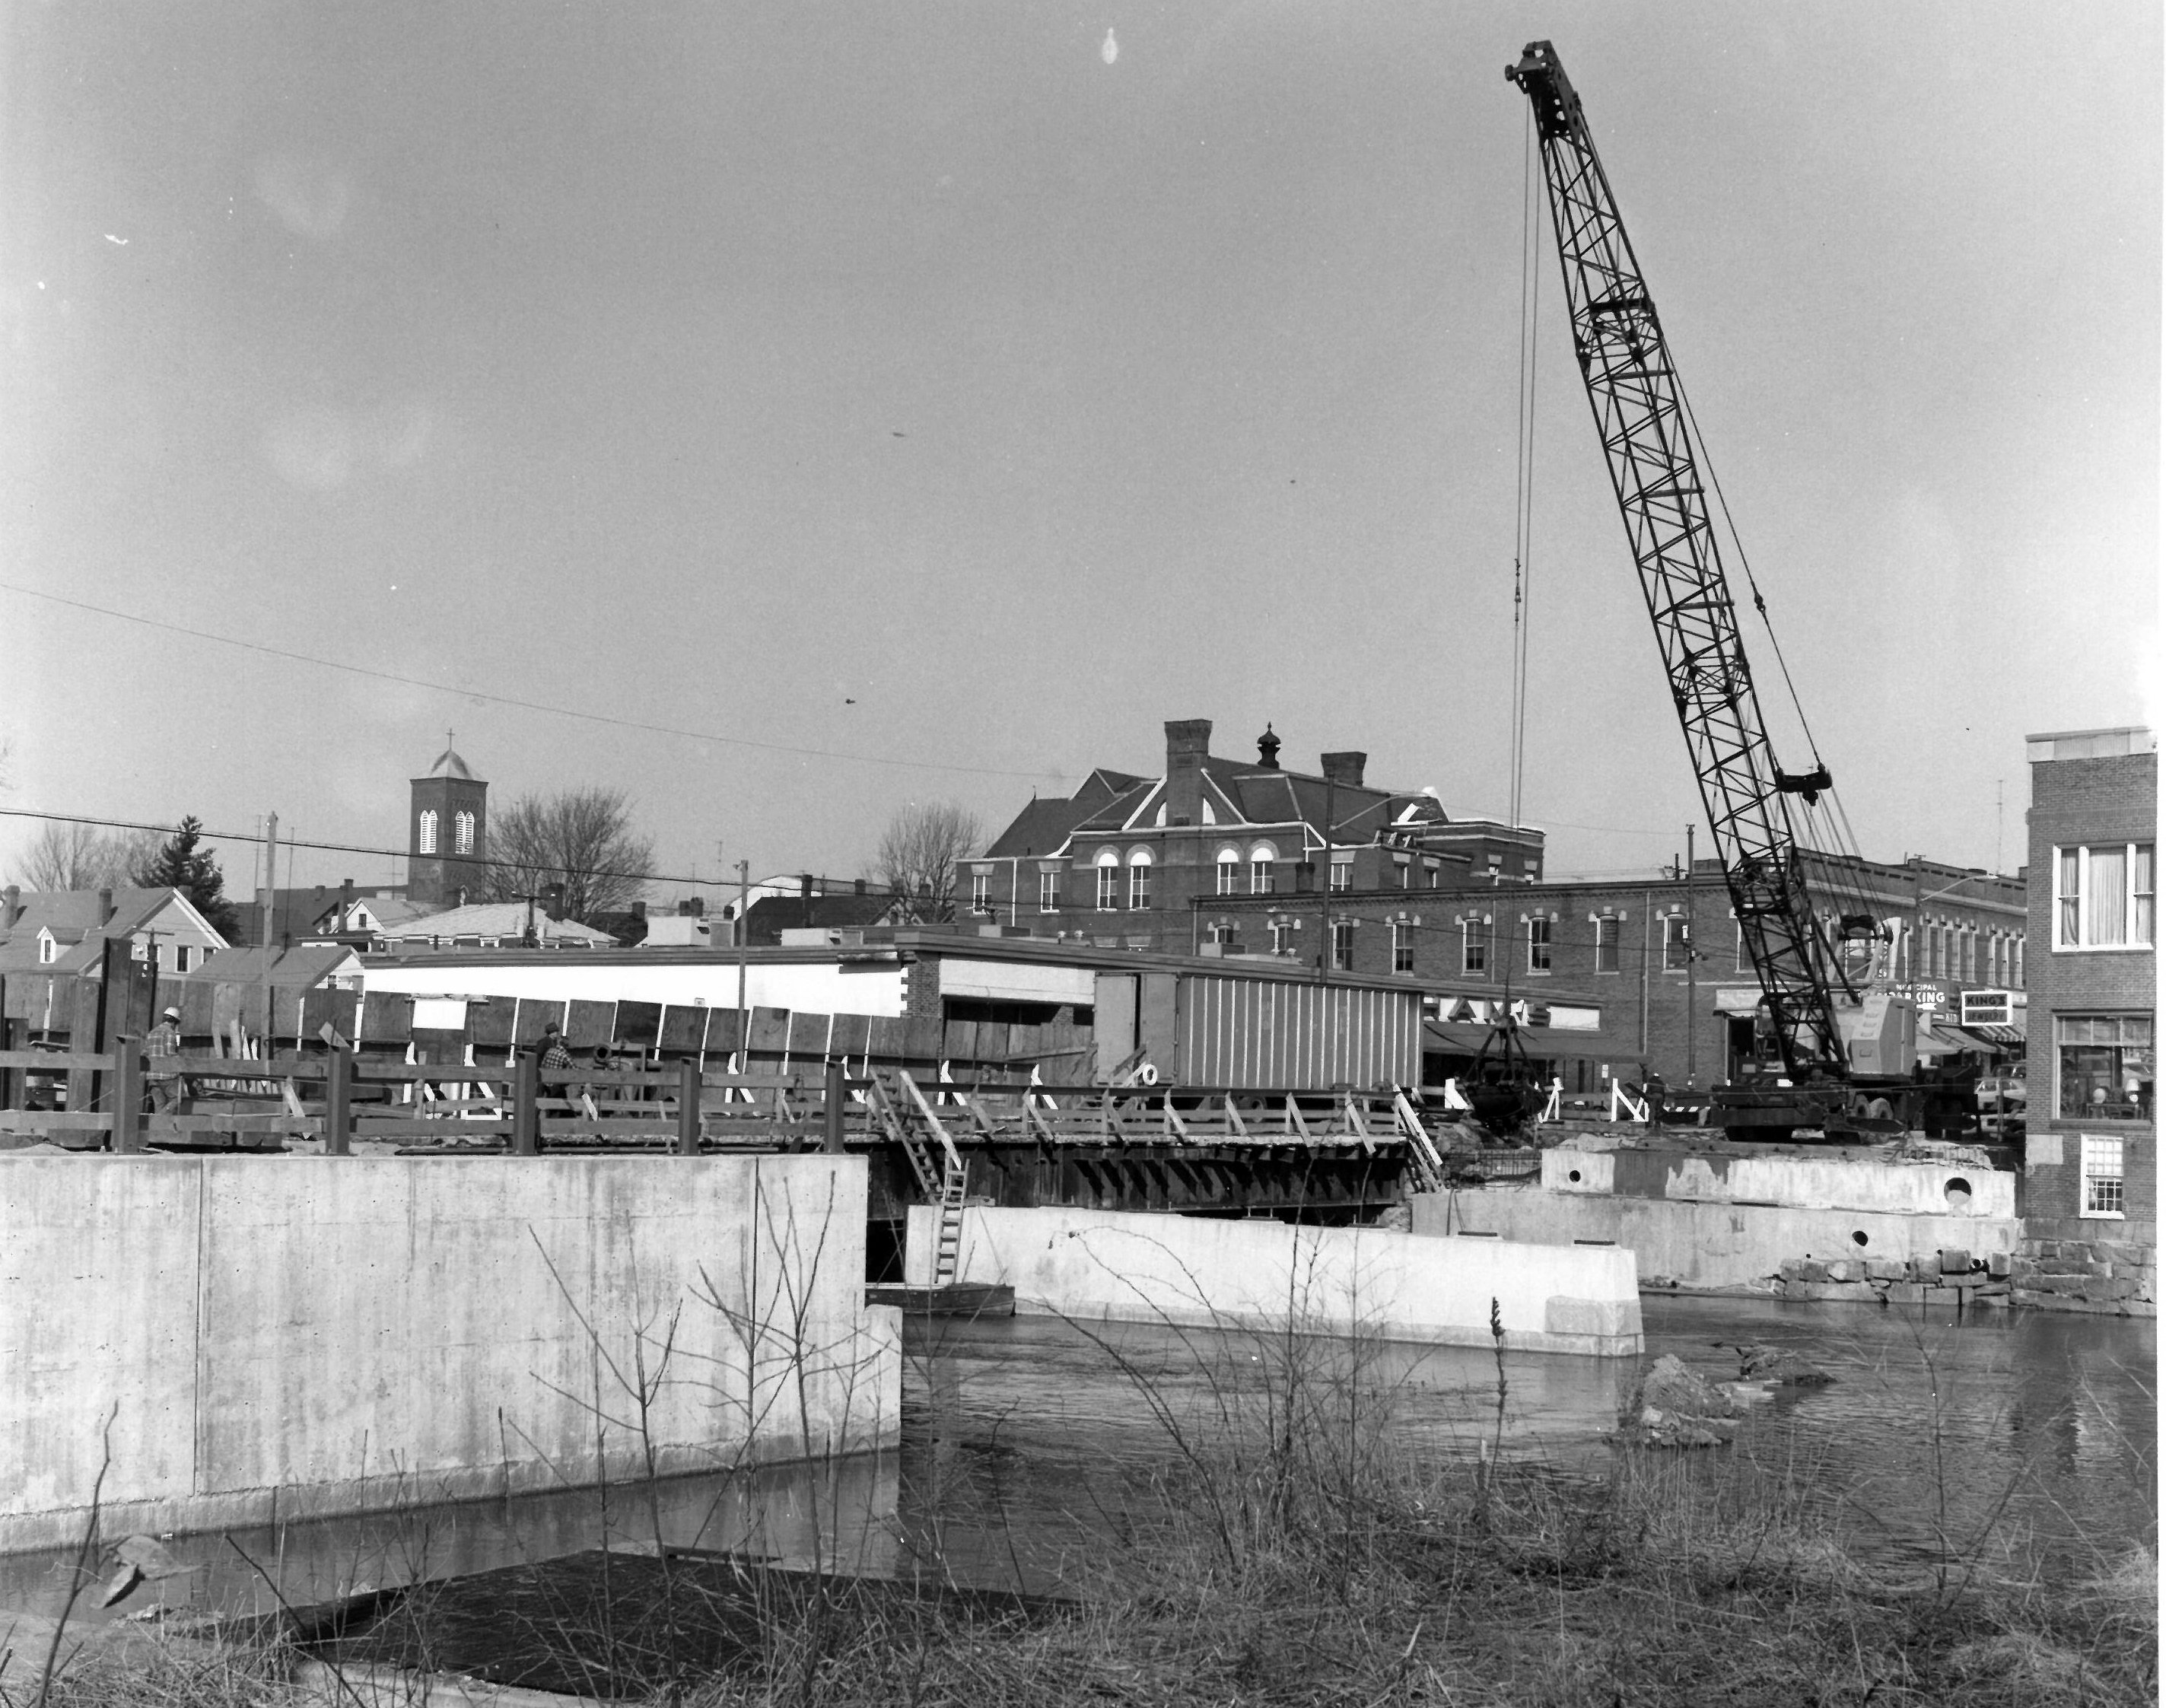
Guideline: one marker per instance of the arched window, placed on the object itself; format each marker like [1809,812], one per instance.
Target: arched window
[462,833]
[428,830]
[1140,877]
[1261,858]
[1229,869]
[1109,880]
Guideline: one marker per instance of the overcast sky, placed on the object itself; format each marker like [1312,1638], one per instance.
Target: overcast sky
[926,402]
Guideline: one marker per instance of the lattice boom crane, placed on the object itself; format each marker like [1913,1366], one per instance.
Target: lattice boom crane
[1639,414]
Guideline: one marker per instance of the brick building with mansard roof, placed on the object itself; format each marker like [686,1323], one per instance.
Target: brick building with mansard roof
[1132,861]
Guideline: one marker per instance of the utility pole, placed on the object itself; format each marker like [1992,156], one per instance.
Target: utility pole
[744,1019]
[1326,934]
[270,916]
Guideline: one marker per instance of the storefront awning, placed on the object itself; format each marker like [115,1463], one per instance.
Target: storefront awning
[1991,1037]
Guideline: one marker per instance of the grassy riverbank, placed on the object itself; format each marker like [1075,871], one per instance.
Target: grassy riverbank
[1301,1569]
[1293,1547]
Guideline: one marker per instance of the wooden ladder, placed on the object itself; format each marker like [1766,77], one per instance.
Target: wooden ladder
[954,1180]
[899,1127]
[1427,1161]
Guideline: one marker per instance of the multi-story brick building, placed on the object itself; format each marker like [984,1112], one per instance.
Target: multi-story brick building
[1128,861]
[2091,1166]
[1220,856]
[1632,942]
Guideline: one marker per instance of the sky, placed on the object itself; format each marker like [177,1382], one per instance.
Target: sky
[788,413]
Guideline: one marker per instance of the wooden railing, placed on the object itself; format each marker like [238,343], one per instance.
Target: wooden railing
[123,1101]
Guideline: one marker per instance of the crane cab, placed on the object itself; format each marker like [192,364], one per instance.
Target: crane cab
[1879,1033]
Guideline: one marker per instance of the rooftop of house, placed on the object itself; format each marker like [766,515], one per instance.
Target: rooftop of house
[77,922]
[502,920]
[768,917]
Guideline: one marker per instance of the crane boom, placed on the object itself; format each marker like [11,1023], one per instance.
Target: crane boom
[1638,412]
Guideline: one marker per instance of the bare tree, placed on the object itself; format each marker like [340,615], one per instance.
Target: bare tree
[582,839]
[919,852]
[80,857]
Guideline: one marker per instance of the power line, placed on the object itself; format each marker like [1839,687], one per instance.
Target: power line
[736,741]
[288,842]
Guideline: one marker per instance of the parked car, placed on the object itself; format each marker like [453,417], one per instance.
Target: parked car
[2007,1089]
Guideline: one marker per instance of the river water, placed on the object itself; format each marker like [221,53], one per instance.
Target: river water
[1027,1442]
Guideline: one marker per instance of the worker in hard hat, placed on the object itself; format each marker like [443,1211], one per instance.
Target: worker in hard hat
[163,1083]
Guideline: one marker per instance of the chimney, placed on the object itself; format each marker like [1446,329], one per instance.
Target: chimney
[346,904]
[859,888]
[805,886]
[104,905]
[1345,769]
[1267,750]
[1187,743]
[11,906]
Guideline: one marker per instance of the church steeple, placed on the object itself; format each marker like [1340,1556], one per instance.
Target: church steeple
[448,830]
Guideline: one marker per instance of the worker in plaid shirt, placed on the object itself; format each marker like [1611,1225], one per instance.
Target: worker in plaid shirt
[555,1061]
[164,1084]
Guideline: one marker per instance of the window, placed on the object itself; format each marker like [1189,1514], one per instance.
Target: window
[1969,946]
[1282,937]
[1229,870]
[1743,963]
[2107,1064]
[981,892]
[1538,945]
[49,949]
[1429,874]
[2104,896]
[1261,857]
[2017,980]
[2103,1177]
[1342,945]
[1221,931]
[1140,876]
[1109,881]
[428,830]
[1402,947]
[1406,872]
[1474,946]
[1048,892]
[1342,871]
[462,833]
[182,954]
[1677,943]
[1606,959]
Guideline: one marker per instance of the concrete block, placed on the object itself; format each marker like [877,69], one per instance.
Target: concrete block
[2101,1272]
[1885,1269]
[332,1330]
[1845,1269]
[1096,1265]
[1954,1262]
[1813,1270]
[2100,1291]
[1999,1264]
[1794,1269]
[2064,1285]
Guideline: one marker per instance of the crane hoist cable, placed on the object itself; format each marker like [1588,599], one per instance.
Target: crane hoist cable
[1522,511]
